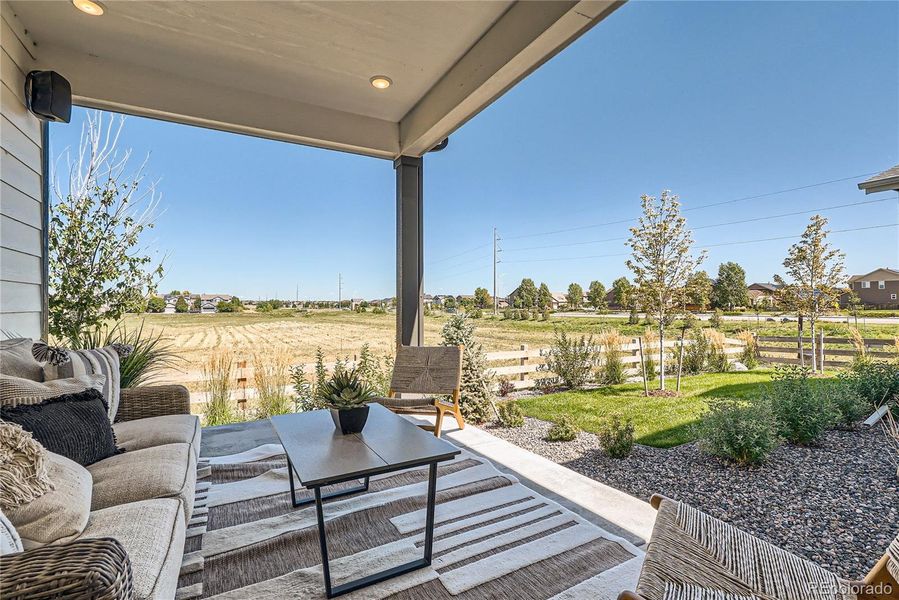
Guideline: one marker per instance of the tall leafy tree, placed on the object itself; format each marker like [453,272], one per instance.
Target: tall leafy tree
[482,298]
[730,287]
[544,297]
[662,262]
[596,295]
[527,294]
[699,289]
[623,292]
[575,296]
[815,276]
[155,305]
[181,305]
[100,267]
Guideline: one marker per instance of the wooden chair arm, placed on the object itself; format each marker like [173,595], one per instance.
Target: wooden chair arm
[89,569]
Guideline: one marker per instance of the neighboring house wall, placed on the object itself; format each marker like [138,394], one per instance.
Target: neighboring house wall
[22,211]
[873,294]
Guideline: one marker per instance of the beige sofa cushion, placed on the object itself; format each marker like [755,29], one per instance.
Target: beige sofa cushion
[18,390]
[16,359]
[59,515]
[152,532]
[168,471]
[158,431]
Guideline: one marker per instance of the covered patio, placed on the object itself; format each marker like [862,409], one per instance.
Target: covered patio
[388,80]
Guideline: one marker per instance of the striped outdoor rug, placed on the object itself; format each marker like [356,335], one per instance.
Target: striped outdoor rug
[494,538]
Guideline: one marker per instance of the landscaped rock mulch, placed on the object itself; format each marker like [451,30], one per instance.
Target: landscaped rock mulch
[836,504]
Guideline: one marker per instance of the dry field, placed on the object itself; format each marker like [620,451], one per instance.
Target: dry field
[295,336]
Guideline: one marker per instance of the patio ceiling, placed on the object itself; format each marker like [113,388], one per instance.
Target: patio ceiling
[299,71]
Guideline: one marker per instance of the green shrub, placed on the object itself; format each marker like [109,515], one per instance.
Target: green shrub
[508,314]
[476,314]
[571,358]
[476,398]
[563,431]
[546,314]
[804,411]
[633,317]
[742,431]
[850,405]
[696,353]
[715,319]
[505,387]
[510,415]
[649,364]
[380,311]
[875,381]
[616,438]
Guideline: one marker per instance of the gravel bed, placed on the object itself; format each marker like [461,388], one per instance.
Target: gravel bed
[836,504]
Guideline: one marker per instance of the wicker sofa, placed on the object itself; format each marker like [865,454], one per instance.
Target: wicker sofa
[141,507]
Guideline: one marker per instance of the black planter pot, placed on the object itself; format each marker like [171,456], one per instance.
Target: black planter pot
[351,420]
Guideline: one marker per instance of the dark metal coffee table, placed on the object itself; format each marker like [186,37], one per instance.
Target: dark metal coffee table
[321,456]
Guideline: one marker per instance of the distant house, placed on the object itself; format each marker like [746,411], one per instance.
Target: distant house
[762,294]
[882,182]
[209,302]
[879,288]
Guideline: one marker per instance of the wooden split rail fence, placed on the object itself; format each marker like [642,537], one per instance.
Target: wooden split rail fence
[524,368]
[835,352]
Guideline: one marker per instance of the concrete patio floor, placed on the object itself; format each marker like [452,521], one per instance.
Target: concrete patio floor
[605,506]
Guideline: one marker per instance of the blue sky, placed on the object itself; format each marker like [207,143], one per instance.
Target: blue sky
[715,101]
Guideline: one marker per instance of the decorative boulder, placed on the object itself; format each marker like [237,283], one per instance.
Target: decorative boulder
[738,366]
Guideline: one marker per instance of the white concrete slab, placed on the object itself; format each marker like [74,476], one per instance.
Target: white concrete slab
[612,509]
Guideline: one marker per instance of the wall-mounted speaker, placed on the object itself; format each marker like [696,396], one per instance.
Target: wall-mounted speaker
[48,96]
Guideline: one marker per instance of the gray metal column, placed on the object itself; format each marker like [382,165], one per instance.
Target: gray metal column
[409,251]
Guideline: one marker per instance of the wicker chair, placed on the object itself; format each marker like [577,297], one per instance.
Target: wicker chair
[96,568]
[693,556]
[93,569]
[427,370]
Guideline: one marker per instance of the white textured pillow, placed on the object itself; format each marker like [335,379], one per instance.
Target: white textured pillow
[102,361]
[16,390]
[59,515]
[9,538]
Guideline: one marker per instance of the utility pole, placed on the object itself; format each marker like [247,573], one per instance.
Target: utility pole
[339,291]
[496,251]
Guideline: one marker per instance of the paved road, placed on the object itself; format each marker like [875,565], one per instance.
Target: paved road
[747,317]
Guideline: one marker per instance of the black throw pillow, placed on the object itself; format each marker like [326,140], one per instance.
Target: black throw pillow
[73,425]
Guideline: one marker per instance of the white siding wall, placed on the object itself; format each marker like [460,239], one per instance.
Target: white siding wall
[21,246]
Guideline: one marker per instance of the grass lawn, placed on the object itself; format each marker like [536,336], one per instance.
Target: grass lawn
[660,422]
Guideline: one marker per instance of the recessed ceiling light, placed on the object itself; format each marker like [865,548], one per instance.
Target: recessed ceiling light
[89,7]
[381,82]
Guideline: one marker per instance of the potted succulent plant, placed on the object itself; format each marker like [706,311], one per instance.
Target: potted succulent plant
[346,395]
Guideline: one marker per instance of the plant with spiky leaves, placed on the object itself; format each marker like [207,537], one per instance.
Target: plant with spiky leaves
[345,391]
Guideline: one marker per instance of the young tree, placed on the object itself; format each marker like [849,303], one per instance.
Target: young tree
[196,304]
[449,302]
[155,305]
[816,273]
[662,262]
[527,294]
[699,289]
[476,397]
[596,295]
[730,287]
[181,305]
[224,307]
[482,298]
[99,266]
[623,292]
[575,296]
[544,297]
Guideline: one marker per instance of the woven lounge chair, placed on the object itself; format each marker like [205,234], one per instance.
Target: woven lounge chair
[427,371]
[693,556]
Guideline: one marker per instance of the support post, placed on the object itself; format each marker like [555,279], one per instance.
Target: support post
[643,367]
[522,362]
[680,358]
[409,251]
[821,347]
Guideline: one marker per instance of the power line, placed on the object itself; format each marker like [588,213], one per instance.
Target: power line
[464,252]
[702,206]
[741,221]
[732,243]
